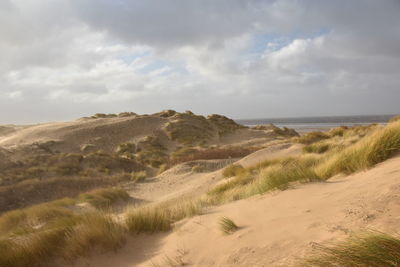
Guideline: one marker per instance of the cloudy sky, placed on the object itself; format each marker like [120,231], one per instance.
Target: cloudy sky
[63,59]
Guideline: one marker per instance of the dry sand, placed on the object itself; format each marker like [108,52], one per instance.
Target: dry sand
[275,228]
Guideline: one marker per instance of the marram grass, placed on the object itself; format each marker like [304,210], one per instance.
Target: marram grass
[227,226]
[372,249]
[360,154]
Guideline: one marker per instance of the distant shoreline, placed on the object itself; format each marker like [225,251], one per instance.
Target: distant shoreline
[308,124]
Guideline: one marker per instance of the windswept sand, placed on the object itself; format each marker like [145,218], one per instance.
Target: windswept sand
[274,228]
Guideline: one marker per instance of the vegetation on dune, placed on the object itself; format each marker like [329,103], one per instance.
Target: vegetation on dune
[160,217]
[312,137]
[316,148]
[233,170]
[369,145]
[139,176]
[190,129]
[32,192]
[364,154]
[151,152]
[197,168]
[366,249]
[395,118]
[227,226]
[224,124]
[104,198]
[46,166]
[190,154]
[34,236]
[286,132]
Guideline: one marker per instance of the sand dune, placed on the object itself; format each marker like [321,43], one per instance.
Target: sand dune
[274,228]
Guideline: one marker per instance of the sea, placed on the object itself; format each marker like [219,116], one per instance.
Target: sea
[309,124]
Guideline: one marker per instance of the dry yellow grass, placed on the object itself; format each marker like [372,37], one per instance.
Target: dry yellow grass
[377,145]
[366,249]
[160,217]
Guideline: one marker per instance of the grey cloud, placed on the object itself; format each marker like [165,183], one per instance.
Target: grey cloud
[66,56]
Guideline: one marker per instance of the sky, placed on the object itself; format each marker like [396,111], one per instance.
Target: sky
[64,59]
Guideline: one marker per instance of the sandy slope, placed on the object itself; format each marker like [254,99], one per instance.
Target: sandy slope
[180,180]
[105,133]
[275,228]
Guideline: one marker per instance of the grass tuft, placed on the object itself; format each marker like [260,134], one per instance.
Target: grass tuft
[232,170]
[104,198]
[160,217]
[139,176]
[227,226]
[312,137]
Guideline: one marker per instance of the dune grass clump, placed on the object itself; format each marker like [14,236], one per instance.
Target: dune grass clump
[162,168]
[312,137]
[189,153]
[227,226]
[160,217]
[316,148]
[197,168]
[394,119]
[369,151]
[36,235]
[238,181]
[233,170]
[94,230]
[148,220]
[104,198]
[376,146]
[266,176]
[138,176]
[280,176]
[368,249]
